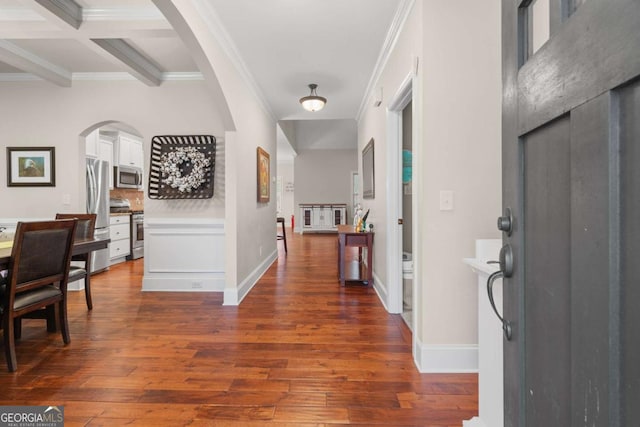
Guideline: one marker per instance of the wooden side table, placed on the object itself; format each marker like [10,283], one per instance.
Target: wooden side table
[349,237]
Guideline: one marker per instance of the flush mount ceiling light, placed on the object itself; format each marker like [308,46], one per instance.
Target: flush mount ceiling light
[313,102]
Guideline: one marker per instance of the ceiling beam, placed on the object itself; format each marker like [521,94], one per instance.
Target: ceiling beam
[139,66]
[67,11]
[30,63]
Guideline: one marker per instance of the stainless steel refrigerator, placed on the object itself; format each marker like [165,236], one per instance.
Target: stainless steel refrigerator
[98,203]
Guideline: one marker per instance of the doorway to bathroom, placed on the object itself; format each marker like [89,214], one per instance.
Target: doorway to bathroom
[403,181]
[406,215]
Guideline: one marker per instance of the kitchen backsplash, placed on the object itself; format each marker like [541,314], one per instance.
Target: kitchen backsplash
[135,197]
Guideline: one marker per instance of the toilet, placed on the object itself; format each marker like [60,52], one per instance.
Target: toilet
[407,285]
[407,265]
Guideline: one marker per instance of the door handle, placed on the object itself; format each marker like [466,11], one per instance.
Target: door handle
[506,270]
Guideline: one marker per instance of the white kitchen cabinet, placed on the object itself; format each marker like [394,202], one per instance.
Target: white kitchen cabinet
[322,217]
[120,233]
[130,151]
[91,147]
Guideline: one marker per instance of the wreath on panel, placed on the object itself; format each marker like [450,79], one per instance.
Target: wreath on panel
[182,167]
[174,163]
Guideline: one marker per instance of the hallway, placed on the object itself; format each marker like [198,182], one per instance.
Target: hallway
[299,351]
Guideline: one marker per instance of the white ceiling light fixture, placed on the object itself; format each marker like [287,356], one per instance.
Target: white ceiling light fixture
[313,102]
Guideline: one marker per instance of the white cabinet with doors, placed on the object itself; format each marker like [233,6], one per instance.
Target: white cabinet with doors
[129,150]
[319,217]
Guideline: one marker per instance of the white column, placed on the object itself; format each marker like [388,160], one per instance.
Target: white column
[490,385]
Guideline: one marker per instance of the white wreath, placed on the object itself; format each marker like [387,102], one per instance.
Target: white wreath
[170,166]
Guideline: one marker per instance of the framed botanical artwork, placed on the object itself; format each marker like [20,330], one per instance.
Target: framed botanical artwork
[263,176]
[31,167]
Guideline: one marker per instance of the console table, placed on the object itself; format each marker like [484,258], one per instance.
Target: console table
[349,237]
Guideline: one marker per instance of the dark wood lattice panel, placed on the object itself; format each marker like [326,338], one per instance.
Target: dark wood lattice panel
[158,188]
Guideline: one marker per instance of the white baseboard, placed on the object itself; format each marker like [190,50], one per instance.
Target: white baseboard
[445,358]
[474,422]
[234,296]
[184,284]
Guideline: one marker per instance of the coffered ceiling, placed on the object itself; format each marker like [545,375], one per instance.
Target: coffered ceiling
[283,45]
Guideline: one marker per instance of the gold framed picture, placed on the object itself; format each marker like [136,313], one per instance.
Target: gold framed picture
[264,174]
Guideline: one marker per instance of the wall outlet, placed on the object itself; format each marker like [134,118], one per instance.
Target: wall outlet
[260,251]
[66,199]
[196,285]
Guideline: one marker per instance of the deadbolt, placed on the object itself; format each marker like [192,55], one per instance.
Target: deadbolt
[505,222]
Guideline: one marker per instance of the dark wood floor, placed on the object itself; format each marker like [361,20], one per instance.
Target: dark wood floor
[299,351]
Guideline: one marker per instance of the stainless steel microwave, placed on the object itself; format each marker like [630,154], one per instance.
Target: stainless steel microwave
[127,177]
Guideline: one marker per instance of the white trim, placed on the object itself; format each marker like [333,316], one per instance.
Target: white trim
[402,13]
[182,76]
[19,77]
[131,13]
[219,32]
[114,76]
[446,358]
[473,422]
[20,15]
[399,101]
[106,76]
[234,296]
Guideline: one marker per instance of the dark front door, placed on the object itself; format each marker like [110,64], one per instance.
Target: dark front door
[571,178]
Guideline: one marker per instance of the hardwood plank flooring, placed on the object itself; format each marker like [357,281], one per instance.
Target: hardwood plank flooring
[299,351]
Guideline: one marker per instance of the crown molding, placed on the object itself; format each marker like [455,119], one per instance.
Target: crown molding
[219,32]
[133,13]
[19,77]
[402,13]
[114,76]
[22,15]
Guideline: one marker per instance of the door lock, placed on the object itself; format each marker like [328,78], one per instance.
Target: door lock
[506,270]
[505,222]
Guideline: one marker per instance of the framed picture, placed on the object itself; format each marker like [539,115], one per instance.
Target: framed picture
[31,167]
[263,176]
[368,172]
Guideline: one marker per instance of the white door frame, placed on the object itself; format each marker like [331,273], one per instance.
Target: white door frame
[407,92]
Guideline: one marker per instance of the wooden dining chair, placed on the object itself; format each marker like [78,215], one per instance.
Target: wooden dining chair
[37,279]
[85,229]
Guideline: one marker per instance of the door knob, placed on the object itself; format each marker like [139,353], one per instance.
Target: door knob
[506,270]
[505,222]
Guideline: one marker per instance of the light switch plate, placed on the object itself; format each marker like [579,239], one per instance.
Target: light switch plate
[446,200]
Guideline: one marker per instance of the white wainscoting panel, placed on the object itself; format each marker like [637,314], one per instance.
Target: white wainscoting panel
[184,254]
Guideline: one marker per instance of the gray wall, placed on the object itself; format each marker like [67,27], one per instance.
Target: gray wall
[324,176]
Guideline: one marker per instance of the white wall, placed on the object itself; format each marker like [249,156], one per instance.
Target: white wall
[38,113]
[459,84]
[249,226]
[286,171]
[462,139]
[324,176]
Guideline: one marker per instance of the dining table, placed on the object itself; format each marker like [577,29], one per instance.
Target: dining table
[80,246]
